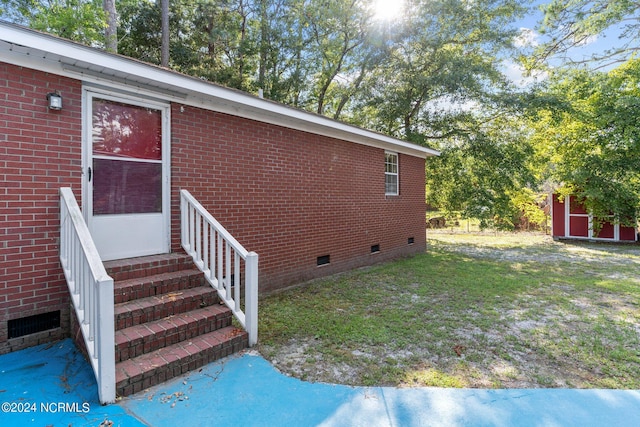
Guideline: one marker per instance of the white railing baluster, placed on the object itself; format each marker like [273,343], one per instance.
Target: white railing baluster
[194,216]
[213,253]
[91,292]
[198,245]
[219,280]
[72,266]
[205,247]
[82,285]
[236,280]
[227,271]
[89,297]
[183,223]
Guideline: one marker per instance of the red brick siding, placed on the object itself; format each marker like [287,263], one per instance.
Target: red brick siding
[292,196]
[39,153]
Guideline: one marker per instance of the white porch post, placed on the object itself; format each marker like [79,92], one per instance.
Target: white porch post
[252,297]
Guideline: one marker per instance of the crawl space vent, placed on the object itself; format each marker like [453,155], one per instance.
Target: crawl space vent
[323,260]
[32,324]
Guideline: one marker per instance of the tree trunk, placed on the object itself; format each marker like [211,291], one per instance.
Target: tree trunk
[241,47]
[264,45]
[164,49]
[111,32]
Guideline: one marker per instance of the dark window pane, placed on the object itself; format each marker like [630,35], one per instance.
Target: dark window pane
[125,187]
[391,184]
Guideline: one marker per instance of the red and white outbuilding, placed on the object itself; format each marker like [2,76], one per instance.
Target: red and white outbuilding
[570,220]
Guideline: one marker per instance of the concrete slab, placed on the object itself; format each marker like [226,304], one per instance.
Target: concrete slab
[245,390]
[53,385]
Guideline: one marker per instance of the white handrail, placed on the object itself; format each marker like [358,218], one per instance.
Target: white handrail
[219,255]
[91,291]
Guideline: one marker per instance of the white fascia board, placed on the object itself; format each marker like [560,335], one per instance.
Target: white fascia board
[26,47]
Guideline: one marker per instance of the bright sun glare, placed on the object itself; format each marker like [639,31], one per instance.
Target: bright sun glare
[387,9]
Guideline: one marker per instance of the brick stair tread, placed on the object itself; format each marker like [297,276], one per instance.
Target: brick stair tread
[143,266]
[148,336]
[179,358]
[157,284]
[152,307]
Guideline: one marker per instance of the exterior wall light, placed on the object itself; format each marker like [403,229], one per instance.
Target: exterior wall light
[55,101]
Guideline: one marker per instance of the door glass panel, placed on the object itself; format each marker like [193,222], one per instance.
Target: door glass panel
[126,131]
[125,187]
[127,158]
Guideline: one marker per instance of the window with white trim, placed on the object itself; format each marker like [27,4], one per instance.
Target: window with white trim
[391,185]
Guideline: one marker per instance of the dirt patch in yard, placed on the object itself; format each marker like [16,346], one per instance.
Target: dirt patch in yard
[482,311]
[529,247]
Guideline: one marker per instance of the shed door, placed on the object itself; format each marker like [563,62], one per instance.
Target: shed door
[126,171]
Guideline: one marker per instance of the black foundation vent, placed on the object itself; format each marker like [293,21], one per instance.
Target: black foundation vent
[375,249]
[32,324]
[323,260]
[410,241]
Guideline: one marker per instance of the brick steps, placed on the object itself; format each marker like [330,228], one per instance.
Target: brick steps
[145,338]
[132,268]
[137,374]
[148,309]
[168,321]
[158,284]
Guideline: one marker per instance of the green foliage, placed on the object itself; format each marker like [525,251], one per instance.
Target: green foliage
[593,147]
[570,25]
[327,56]
[208,39]
[485,175]
[528,203]
[334,30]
[442,58]
[283,73]
[79,20]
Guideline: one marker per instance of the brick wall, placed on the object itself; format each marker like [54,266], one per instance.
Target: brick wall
[292,196]
[39,153]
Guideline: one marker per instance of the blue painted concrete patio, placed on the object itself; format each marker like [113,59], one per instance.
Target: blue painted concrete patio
[55,384]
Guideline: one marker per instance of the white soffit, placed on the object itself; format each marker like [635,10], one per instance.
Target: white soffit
[32,49]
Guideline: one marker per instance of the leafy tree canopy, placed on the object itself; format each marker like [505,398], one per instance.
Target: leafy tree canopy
[79,20]
[591,142]
[571,24]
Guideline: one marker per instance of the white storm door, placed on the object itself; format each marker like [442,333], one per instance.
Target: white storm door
[127,176]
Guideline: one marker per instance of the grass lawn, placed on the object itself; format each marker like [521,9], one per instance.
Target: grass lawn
[479,310]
